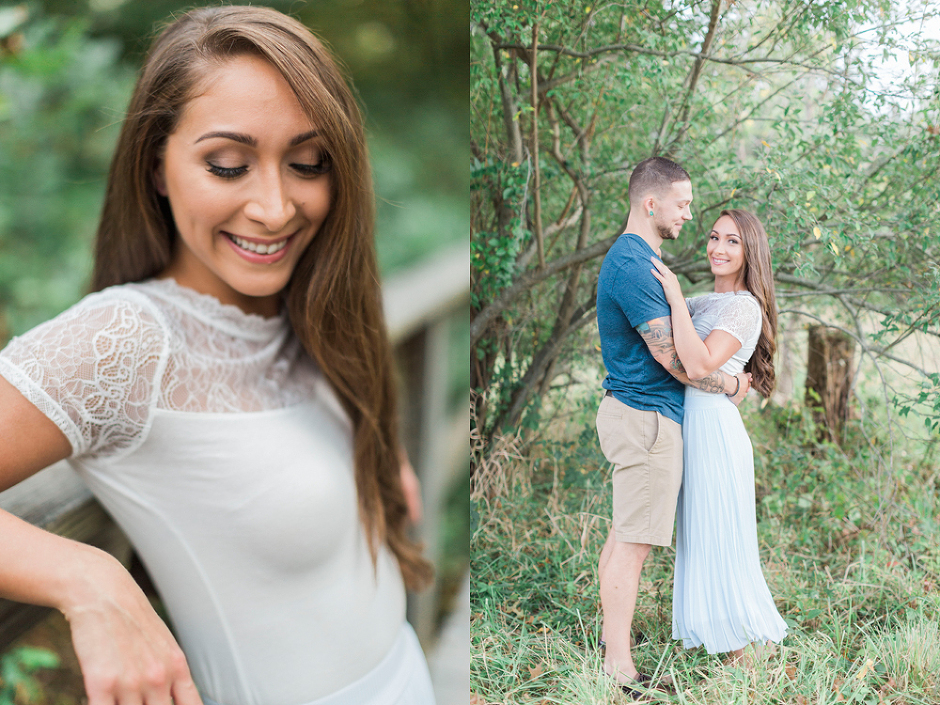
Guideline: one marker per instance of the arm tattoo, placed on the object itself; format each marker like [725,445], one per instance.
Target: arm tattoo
[714,383]
[659,340]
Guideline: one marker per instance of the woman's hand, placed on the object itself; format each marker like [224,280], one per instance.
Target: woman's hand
[745,380]
[670,283]
[412,489]
[127,654]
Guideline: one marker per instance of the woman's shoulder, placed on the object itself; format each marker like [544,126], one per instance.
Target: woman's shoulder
[112,345]
[128,299]
[737,305]
[740,314]
[95,324]
[745,305]
[720,302]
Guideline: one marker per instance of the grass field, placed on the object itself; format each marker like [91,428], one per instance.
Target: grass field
[850,546]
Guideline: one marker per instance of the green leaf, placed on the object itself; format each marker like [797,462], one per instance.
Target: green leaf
[33,658]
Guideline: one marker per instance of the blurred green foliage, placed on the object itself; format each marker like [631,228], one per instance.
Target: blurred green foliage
[66,72]
[17,683]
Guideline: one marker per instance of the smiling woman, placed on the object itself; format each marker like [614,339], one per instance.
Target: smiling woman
[248,184]
[227,394]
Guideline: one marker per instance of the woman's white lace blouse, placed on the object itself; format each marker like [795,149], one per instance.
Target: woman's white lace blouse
[737,313]
[218,447]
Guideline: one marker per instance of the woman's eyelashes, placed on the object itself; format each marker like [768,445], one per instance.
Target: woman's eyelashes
[226,172]
[308,171]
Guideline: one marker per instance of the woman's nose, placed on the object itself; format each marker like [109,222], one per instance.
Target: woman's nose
[271,205]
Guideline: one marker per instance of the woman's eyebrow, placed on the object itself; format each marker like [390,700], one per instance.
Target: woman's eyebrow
[251,141]
[234,136]
[300,139]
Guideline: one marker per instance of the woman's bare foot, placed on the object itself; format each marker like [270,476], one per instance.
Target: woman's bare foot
[741,659]
[747,657]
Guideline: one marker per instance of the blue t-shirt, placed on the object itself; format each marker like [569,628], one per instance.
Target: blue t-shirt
[627,296]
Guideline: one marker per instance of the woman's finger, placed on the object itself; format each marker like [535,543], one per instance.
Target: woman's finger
[157,691]
[158,698]
[185,693]
[131,698]
[660,265]
[98,697]
[411,487]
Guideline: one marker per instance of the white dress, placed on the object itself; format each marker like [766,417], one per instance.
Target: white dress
[216,444]
[720,597]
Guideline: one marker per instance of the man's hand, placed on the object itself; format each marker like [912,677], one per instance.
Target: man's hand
[745,379]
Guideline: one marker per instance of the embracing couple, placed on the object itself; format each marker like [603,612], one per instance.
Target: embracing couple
[670,427]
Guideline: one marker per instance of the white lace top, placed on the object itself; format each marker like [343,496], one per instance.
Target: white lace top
[215,443]
[737,313]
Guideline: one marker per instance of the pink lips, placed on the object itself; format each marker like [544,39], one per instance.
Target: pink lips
[255,257]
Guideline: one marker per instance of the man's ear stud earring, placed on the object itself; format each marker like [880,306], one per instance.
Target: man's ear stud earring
[651,212]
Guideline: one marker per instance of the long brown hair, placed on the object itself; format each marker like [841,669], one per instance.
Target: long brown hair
[758,278]
[333,297]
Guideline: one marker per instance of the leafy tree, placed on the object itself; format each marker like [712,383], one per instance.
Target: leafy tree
[55,147]
[779,107]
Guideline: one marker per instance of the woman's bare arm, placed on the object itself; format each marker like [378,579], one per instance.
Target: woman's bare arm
[658,336]
[126,652]
[28,439]
[700,358]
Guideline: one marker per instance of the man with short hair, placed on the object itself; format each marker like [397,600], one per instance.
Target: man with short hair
[639,419]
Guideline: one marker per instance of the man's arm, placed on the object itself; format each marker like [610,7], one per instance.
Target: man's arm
[657,334]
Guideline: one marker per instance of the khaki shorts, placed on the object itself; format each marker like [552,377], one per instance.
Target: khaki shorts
[645,449]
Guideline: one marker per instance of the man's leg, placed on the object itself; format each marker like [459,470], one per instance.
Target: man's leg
[620,583]
[646,476]
[605,552]
[601,564]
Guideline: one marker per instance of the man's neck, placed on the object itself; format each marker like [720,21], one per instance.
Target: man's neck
[643,227]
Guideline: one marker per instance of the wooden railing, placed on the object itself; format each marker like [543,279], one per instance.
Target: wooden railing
[422,304]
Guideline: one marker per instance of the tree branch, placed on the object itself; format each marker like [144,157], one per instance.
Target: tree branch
[683,120]
[513,133]
[491,311]
[636,49]
[870,349]
[541,362]
[537,185]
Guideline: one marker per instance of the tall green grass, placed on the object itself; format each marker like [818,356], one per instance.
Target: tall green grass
[850,546]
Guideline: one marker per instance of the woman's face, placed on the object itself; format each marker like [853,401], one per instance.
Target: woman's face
[725,249]
[248,184]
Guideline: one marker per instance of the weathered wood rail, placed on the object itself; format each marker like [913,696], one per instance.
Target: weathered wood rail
[422,305]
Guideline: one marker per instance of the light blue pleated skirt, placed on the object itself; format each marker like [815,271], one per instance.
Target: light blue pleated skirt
[720,596]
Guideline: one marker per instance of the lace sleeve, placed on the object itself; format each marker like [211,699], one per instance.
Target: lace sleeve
[741,317]
[93,369]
